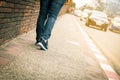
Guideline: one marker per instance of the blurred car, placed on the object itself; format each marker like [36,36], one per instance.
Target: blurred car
[115,24]
[98,19]
[85,14]
[77,13]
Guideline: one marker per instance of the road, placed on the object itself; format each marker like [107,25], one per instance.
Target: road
[108,42]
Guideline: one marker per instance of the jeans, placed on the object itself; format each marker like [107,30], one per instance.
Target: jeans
[49,10]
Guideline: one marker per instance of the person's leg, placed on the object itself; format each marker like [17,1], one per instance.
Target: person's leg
[41,18]
[54,8]
[53,11]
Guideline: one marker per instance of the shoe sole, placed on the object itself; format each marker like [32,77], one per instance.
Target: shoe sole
[41,45]
[37,44]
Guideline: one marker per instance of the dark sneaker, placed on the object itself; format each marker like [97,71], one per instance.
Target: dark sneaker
[38,42]
[44,44]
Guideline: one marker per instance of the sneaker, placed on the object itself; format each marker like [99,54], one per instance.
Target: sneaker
[43,43]
[37,43]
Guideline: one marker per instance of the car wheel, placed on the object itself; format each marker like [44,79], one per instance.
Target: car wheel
[105,29]
[110,29]
[87,24]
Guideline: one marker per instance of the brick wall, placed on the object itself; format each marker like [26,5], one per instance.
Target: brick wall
[17,17]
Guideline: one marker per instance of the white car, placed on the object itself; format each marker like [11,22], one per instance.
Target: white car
[98,19]
[115,24]
[85,14]
[77,13]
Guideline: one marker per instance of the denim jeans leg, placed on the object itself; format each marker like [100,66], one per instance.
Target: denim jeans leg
[48,27]
[53,11]
[41,18]
[40,27]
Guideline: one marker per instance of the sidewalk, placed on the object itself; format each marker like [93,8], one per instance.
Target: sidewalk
[68,57]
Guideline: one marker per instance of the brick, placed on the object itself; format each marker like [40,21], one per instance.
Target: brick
[1,15]
[2,3]
[11,5]
[19,6]
[4,20]
[5,9]
[6,4]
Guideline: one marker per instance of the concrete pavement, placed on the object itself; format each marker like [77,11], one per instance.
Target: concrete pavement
[68,58]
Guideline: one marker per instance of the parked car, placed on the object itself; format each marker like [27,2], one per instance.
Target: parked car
[77,13]
[85,14]
[98,19]
[115,24]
